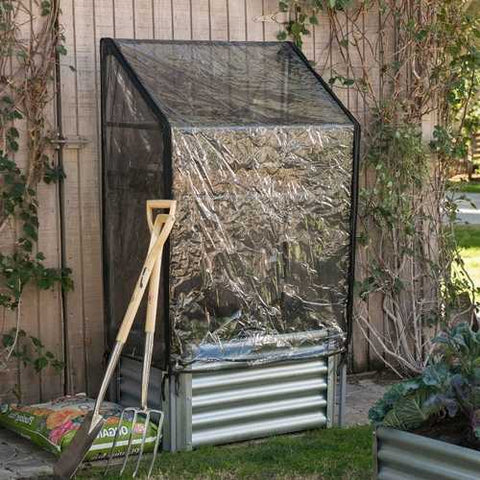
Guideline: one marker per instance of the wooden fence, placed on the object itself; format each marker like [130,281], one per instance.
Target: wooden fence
[72,326]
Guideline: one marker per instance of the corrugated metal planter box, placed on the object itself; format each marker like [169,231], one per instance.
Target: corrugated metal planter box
[237,404]
[407,456]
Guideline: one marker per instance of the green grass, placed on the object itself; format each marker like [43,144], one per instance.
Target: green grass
[333,454]
[468,238]
[468,187]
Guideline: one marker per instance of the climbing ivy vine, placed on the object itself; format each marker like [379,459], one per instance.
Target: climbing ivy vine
[422,63]
[303,14]
[30,42]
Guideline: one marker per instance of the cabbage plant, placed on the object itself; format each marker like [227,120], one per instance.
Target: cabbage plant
[449,387]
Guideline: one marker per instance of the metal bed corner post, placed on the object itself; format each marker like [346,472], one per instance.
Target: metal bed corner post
[331,389]
[337,386]
[178,425]
[342,393]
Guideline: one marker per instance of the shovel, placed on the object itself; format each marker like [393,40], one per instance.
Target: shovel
[144,411]
[73,455]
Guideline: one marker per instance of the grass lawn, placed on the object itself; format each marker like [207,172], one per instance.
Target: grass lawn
[333,454]
[469,187]
[468,237]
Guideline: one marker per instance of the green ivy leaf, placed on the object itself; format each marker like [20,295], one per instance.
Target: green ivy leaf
[7,340]
[13,132]
[40,363]
[57,365]
[55,173]
[30,231]
[36,342]
[61,50]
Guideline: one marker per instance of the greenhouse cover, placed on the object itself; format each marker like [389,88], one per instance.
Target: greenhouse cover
[262,159]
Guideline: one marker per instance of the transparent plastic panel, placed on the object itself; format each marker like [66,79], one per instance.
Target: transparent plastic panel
[133,174]
[207,84]
[260,253]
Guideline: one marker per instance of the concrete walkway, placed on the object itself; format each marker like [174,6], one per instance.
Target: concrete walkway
[362,392]
[469,210]
[20,459]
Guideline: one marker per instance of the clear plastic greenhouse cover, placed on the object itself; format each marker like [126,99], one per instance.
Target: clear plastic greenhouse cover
[262,161]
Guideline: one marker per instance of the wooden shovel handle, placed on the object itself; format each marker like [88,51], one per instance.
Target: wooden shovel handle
[170,205]
[148,266]
[154,285]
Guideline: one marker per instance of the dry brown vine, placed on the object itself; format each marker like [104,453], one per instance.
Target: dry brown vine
[421,62]
[30,42]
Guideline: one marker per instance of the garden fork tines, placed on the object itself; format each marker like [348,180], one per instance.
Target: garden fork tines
[160,230]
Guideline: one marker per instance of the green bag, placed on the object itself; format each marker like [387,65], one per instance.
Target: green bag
[53,425]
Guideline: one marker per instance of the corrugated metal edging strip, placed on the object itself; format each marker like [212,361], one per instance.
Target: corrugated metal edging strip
[287,399]
[210,419]
[256,393]
[221,378]
[236,433]
[406,456]
[130,384]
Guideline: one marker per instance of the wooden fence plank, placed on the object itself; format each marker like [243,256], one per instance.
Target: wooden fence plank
[359,348]
[89,183]
[255,29]
[74,314]
[270,7]
[123,26]
[103,28]
[50,302]
[339,66]
[29,309]
[219,19]
[10,372]
[237,19]
[375,301]
[323,48]
[143,18]
[182,22]
[163,19]
[201,25]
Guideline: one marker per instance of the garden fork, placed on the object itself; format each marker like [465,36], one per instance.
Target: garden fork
[158,228]
[93,422]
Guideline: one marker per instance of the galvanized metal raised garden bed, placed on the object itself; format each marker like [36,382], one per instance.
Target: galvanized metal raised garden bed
[229,405]
[402,455]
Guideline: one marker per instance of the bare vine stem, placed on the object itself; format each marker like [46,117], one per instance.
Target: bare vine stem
[422,59]
[30,42]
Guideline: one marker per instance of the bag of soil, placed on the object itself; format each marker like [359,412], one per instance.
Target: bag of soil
[53,425]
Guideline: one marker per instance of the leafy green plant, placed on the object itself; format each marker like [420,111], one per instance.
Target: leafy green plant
[385,404]
[40,358]
[449,387]
[411,412]
[303,14]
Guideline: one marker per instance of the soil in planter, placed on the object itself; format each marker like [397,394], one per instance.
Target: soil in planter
[453,430]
